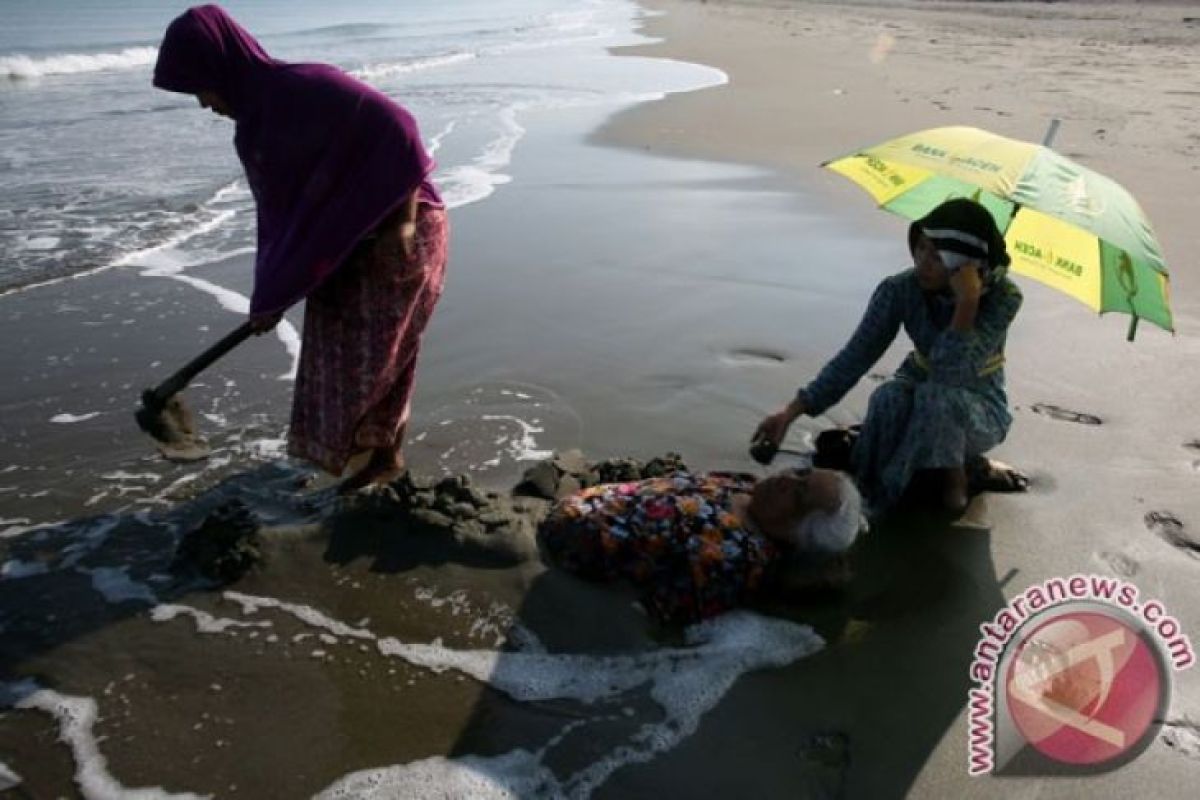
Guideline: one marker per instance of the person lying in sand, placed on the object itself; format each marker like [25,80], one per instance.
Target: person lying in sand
[347,218]
[946,404]
[696,545]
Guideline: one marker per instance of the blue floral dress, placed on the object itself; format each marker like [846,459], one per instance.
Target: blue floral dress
[944,404]
[677,539]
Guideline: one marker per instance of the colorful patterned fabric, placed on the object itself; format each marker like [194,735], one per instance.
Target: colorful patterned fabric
[677,539]
[945,403]
[362,335]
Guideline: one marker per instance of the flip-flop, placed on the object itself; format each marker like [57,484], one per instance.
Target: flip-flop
[996,476]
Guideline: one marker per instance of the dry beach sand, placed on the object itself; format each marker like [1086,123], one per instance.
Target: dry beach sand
[629,300]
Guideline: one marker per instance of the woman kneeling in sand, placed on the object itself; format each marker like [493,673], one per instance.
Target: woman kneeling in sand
[946,403]
[694,546]
[347,217]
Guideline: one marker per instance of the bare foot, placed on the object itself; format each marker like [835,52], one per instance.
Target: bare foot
[384,467]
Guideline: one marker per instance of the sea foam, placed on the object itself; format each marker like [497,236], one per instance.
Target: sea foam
[22,67]
[686,682]
[76,718]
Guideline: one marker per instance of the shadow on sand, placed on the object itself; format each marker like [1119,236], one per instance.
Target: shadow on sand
[860,718]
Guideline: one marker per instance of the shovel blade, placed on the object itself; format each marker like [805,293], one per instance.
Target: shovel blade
[173,427]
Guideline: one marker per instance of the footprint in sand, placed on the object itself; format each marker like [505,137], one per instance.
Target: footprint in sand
[1170,529]
[1193,444]
[1182,736]
[1119,563]
[1065,414]
[753,355]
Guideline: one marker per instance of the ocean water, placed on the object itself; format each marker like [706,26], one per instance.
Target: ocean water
[108,186]
[98,169]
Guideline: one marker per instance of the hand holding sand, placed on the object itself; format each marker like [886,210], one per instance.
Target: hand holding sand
[774,428]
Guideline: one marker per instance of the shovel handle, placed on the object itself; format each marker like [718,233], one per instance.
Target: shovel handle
[183,377]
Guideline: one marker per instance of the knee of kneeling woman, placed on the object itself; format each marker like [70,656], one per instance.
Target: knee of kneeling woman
[891,393]
[940,398]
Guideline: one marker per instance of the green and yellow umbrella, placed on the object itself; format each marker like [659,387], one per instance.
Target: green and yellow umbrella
[1065,225]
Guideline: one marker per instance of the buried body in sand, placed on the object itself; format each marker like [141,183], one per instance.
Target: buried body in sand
[696,545]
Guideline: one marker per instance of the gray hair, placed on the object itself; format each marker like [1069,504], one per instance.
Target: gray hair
[831,532]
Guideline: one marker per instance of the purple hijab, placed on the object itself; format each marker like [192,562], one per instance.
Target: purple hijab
[326,156]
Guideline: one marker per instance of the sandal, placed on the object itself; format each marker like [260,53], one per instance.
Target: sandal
[986,475]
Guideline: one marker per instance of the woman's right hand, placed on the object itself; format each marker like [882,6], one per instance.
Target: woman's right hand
[775,427]
[262,323]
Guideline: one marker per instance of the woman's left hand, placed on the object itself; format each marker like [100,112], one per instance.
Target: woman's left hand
[407,235]
[966,283]
[398,238]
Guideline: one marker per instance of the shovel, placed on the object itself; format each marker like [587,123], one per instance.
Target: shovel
[163,413]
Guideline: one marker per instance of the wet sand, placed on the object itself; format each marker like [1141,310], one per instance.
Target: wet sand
[627,302]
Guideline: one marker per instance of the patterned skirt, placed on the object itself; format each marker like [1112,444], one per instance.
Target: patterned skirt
[917,425]
[362,335]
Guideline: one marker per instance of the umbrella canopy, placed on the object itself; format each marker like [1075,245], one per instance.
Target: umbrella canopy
[1065,225]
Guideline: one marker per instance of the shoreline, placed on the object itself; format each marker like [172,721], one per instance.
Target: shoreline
[811,80]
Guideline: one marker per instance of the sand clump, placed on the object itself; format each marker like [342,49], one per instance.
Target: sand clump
[451,512]
[499,526]
[222,548]
[566,473]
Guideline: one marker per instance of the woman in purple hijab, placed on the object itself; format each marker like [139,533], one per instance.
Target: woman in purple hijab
[347,218]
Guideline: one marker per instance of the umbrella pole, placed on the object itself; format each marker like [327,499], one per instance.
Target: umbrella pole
[1133,321]
[1051,132]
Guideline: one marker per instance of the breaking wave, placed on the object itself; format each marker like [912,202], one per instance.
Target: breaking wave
[22,67]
